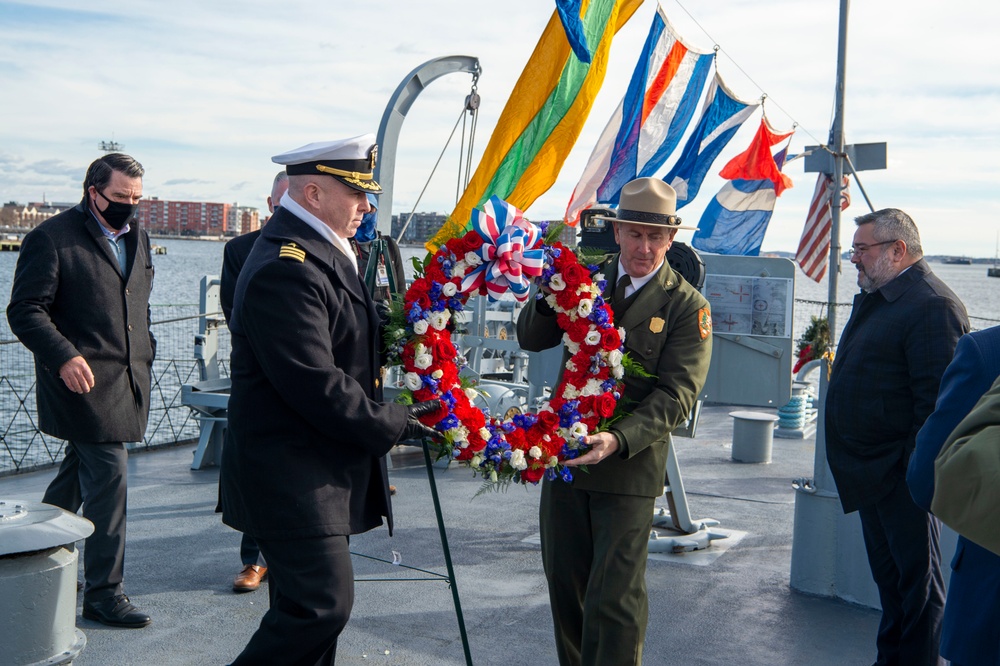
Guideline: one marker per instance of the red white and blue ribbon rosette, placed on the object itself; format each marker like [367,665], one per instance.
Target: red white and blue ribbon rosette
[511,255]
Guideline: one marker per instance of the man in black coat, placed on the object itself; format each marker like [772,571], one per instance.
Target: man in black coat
[80,303]
[901,336]
[234,255]
[304,463]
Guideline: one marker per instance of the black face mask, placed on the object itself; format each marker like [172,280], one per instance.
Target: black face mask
[117,214]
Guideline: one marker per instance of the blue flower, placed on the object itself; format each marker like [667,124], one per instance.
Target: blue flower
[448,422]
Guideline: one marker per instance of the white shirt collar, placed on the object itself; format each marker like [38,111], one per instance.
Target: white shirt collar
[296,209]
[637,283]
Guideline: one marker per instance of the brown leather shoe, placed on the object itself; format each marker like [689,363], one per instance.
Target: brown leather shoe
[249,579]
[392,490]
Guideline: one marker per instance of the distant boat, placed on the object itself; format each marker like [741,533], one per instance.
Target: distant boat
[959,261]
[995,271]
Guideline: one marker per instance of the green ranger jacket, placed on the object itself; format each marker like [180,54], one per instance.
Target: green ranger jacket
[668,330]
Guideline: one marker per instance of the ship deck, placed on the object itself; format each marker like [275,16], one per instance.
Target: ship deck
[728,604]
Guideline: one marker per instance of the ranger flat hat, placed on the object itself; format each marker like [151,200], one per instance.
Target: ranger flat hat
[351,161]
[649,201]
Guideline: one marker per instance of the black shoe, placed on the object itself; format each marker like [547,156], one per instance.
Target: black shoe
[116,611]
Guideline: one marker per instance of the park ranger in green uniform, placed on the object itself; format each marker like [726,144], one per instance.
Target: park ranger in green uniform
[595,529]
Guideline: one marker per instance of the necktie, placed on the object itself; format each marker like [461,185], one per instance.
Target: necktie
[619,295]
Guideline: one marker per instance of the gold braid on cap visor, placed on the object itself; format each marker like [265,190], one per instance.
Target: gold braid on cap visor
[353,175]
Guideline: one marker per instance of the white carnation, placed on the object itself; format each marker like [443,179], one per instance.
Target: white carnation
[618,372]
[437,374]
[592,387]
[471,394]
[535,452]
[473,259]
[570,392]
[570,366]
[412,381]
[615,357]
[517,460]
[485,434]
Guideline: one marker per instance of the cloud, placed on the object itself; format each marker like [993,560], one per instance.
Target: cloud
[204,93]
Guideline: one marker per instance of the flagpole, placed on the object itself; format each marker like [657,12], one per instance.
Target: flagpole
[825,541]
[837,132]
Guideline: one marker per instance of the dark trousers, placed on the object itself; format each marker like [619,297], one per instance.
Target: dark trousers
[250,552]
[311,587]
[594,549]
[94,475]
[905,559]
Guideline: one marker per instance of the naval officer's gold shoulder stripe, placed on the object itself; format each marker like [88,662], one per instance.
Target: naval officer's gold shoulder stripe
[292,251]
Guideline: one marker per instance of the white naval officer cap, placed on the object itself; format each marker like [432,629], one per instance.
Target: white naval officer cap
[351,161]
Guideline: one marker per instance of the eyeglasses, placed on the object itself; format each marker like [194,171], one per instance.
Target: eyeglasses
[862,249]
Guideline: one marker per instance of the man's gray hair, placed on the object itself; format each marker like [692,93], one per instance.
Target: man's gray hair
[893,224]
[279,178]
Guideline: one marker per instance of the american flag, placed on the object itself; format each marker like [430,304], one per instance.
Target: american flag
[814,246]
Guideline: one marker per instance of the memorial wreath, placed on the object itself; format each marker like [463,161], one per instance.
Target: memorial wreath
[504,252]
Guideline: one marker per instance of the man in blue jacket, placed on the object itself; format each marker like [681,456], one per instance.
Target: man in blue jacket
[972,612]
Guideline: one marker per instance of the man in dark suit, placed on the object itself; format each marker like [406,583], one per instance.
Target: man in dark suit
[595,530]
[234,255]
[972,610]
[304,463]
[901,336]
[80,303]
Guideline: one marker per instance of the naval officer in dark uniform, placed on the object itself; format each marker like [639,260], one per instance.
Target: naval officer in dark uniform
[304,462]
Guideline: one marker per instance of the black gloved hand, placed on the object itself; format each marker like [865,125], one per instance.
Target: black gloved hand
[414,428]
[384,311]
[543,308]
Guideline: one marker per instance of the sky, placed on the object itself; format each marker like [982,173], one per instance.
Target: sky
[204,93]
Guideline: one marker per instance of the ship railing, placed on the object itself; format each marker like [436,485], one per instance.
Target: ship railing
[24,448]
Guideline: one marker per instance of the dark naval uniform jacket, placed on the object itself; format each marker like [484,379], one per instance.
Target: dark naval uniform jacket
[70,298]
[234,255]
[667,331]
[885,379]
[306,441]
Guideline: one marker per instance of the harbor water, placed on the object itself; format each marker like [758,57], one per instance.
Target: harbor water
[174,307]
[179,271]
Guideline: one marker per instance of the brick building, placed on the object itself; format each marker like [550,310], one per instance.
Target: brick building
[185,218]
[18,216]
